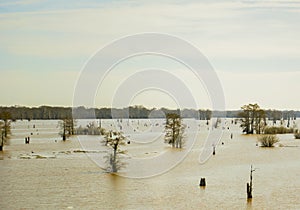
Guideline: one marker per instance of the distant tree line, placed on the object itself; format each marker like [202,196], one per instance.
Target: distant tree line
[134,112]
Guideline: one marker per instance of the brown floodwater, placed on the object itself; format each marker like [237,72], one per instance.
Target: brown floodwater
[51,174]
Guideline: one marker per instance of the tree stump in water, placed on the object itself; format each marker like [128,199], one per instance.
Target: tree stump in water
[202,182]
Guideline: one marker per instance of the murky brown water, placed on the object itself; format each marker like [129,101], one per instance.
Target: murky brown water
[55,176]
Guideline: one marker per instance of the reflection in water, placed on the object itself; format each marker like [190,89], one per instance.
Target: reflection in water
[249,203]
[4,154]
[117,194]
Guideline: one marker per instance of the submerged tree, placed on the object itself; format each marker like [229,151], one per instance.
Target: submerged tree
[2,140]
[260,121]
[253,119]
[67,128]
[4,127]
[113,140]
[6,117]
[174,130]
[218,122]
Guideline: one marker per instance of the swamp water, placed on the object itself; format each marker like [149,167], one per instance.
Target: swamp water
[51,174]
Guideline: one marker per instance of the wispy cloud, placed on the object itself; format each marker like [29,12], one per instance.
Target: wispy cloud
[19,2]
[220,29]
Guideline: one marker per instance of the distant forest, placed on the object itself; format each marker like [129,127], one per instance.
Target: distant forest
[134,112]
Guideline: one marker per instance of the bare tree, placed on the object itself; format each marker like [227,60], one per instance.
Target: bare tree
[114,140]
[67,128]
[6,117]
[174,130]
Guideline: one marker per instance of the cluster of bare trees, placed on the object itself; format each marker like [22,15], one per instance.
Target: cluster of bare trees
[115,140]
[253,119]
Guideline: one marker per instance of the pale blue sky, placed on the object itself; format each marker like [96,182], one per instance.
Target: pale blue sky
[253,45]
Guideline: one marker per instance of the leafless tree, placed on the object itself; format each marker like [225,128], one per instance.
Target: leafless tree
[67,128]
[114,140]
[174,130]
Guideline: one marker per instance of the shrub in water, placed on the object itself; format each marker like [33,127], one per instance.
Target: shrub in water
[90,130]
[268,140]
[278,130]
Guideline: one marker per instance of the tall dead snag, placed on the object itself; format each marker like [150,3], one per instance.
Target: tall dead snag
[249,185]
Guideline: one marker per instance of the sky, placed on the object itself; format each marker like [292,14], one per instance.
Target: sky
[253,46]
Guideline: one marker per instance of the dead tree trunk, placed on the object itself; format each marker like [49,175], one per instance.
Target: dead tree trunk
[249,191]
[249,185]
[2,141]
